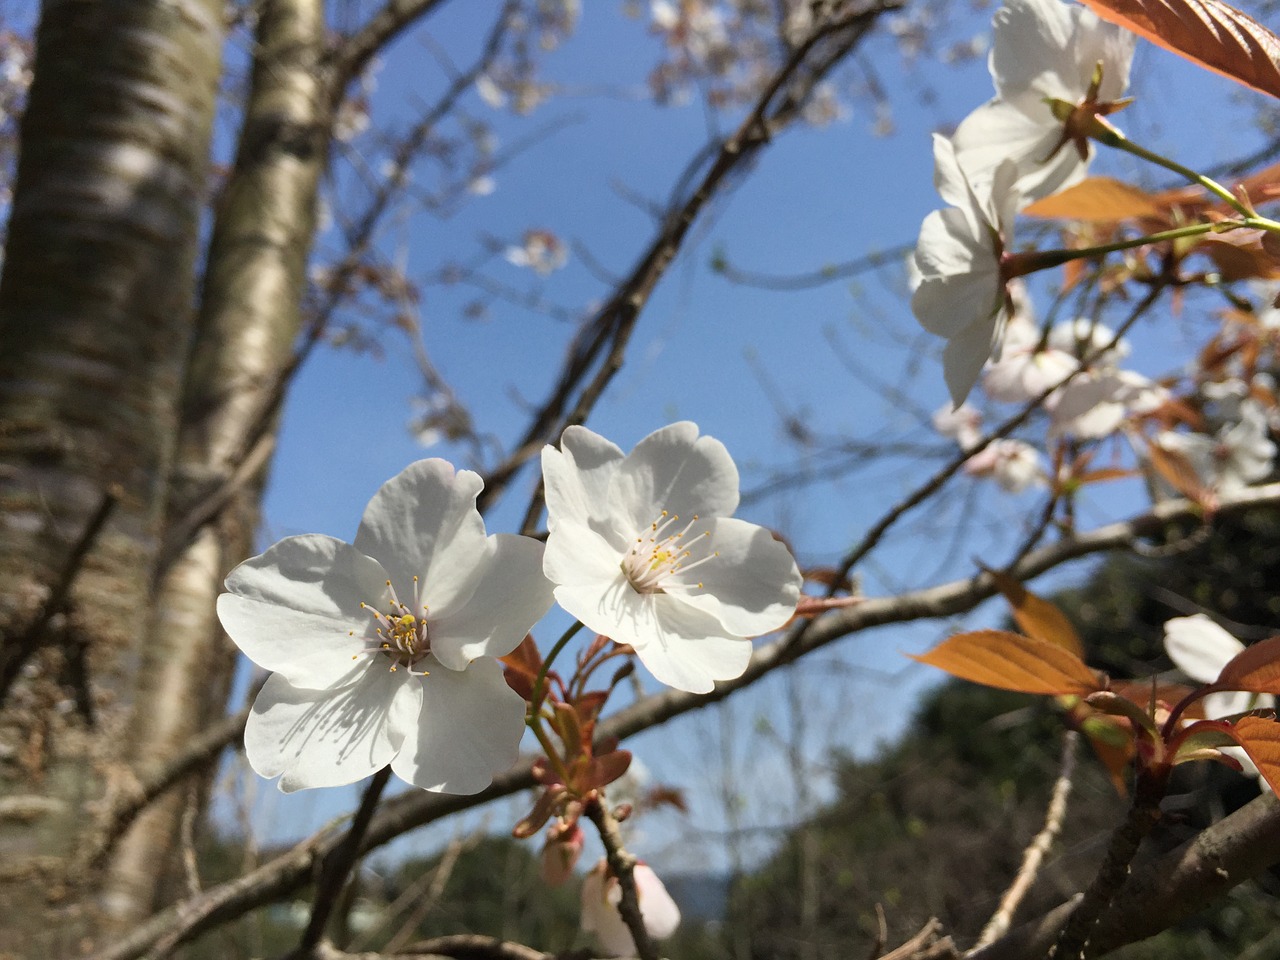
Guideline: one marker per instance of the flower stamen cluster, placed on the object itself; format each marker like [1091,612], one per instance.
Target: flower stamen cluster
[402,636]
[653,562]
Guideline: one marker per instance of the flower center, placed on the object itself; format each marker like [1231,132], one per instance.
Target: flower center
[654,560]
[402,636]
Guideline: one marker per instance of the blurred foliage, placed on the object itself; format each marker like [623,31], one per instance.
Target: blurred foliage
[936,825]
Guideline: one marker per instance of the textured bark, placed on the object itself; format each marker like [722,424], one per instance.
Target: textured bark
[95,321]
[249,322]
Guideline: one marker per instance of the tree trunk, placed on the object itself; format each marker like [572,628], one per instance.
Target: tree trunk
[249,321]
[95,322]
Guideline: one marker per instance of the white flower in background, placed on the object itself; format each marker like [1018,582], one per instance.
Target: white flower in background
[1095,403]
[963,424]
[541,251]
[1088,340]
[1240,454]
[382,652]
[643,550]
[1013,464]
[1042,50]
[958,290]
[601,895]
[1027,366]
[1200,649]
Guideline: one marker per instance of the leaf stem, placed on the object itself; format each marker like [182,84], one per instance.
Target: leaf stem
[541,681]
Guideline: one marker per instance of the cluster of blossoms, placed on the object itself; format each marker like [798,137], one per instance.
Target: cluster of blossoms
[385,652]
[1053,64]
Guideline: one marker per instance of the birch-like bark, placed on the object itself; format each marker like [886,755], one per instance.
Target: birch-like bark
[250,314]
[95,321]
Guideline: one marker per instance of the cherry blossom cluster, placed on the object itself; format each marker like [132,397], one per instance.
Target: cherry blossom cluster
[385,652]
[1051,63]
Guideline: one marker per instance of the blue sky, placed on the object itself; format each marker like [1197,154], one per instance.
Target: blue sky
[818,196]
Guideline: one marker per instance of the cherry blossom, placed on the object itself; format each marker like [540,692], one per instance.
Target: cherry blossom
[601,895]
[1013,464]
[959,289]
[1028,365]
[383,652]
[1239,454]
[642,549]
[1043,50]
[1095,403]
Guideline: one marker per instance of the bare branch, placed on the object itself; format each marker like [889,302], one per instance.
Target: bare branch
[400,814]
[391,20]
[1035,853]
[622,866]
[1163,891]
[602,342]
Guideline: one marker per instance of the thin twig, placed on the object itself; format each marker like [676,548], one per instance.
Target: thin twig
[474,946]
[290,871]
[424,901]
[1035,853]
[622,868]
[601,344]
[337,866]
[1073,942]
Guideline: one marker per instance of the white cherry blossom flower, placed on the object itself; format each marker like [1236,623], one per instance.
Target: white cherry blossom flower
[1042,50]
[958,288]
[1200,649]
[1238,455]
[1013,464]
[540,250]
[1095,403]
[643,550]
[963,424]
[1088,340]
[601,895]
[382,652]
[1027,367]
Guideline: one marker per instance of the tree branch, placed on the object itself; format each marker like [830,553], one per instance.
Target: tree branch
[602,342]
[622,867]
[1035,853]
[1163,891]
[391,20]
[400,814]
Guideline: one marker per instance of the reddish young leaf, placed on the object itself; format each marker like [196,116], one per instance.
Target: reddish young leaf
[1207,32]
[1010,661]
[521,667]
[1255,669]
[1176,470]
[1038,617]
[1260,737]
[1097,200]
[1113,746]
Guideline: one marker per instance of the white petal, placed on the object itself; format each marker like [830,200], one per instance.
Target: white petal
[674,469]
[575,553]
[328,738]
[966,352]
[511,595]
[1199,647]
[577,477]
[959,274]
[423,522]
[948,177]
[469,729]
[661,915]
[1030,50]
[689,650]
[290,609]
[609,606]
[600,916]
[752,587]
[999,131]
